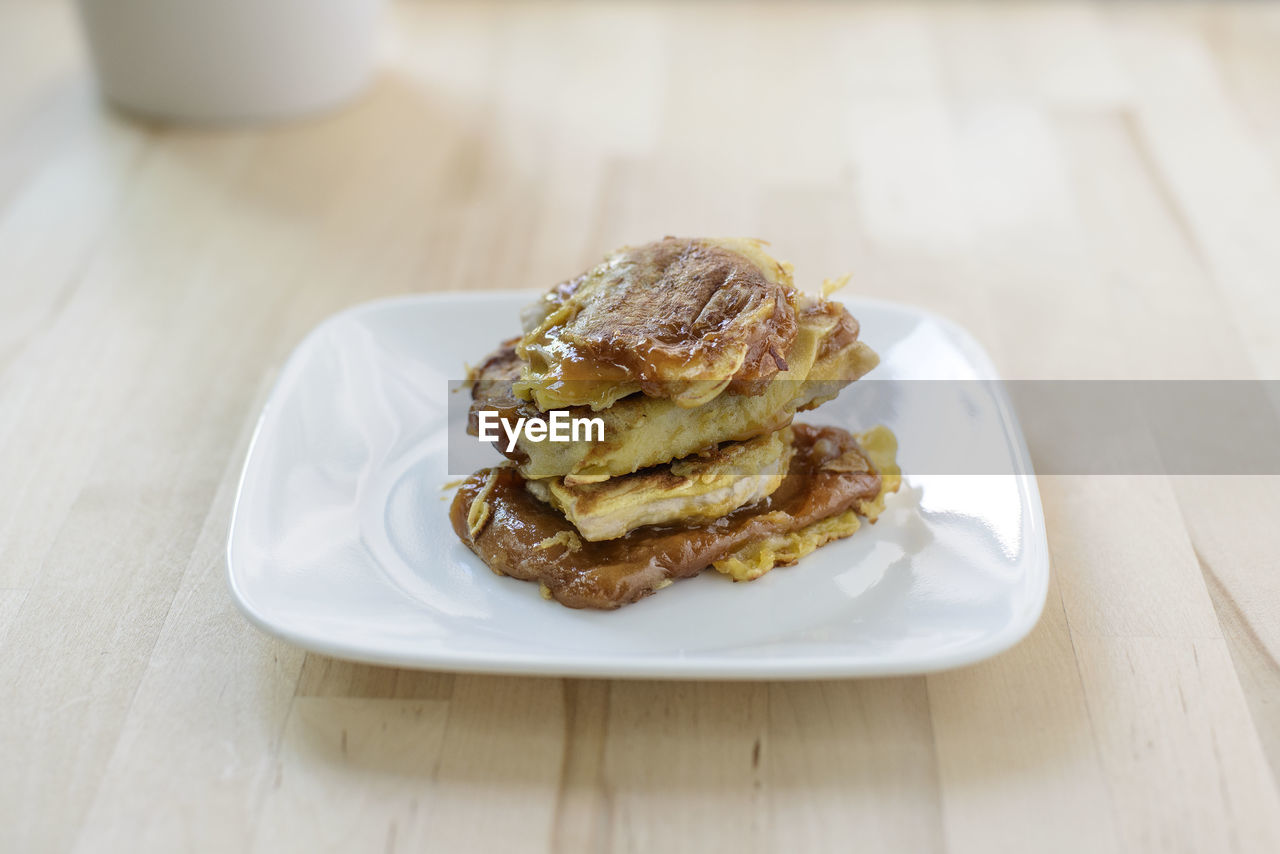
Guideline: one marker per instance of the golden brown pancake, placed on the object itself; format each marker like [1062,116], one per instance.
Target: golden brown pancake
[516,534]
[681,319]
[642,431]
[699,488]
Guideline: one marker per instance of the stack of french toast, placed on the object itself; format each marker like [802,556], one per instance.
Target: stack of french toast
[686,361]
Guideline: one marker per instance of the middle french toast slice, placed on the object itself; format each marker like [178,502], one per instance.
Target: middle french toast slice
[699,488]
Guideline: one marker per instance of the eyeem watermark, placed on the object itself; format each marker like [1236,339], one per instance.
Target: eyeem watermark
[967,427]
[558,426]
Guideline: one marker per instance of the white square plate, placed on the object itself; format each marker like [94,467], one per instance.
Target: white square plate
[340,541]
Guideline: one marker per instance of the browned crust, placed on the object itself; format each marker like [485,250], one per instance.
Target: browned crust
[668,306]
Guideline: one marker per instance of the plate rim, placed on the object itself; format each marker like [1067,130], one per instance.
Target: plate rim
[672,666]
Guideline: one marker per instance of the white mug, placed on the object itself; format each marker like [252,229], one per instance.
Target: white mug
[231,60]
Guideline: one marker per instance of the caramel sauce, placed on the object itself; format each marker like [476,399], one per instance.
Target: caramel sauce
[845,332]
[527,539]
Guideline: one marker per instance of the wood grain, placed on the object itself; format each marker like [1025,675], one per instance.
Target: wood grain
[1094,190]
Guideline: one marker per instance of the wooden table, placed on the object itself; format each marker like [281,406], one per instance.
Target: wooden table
[1093,191]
